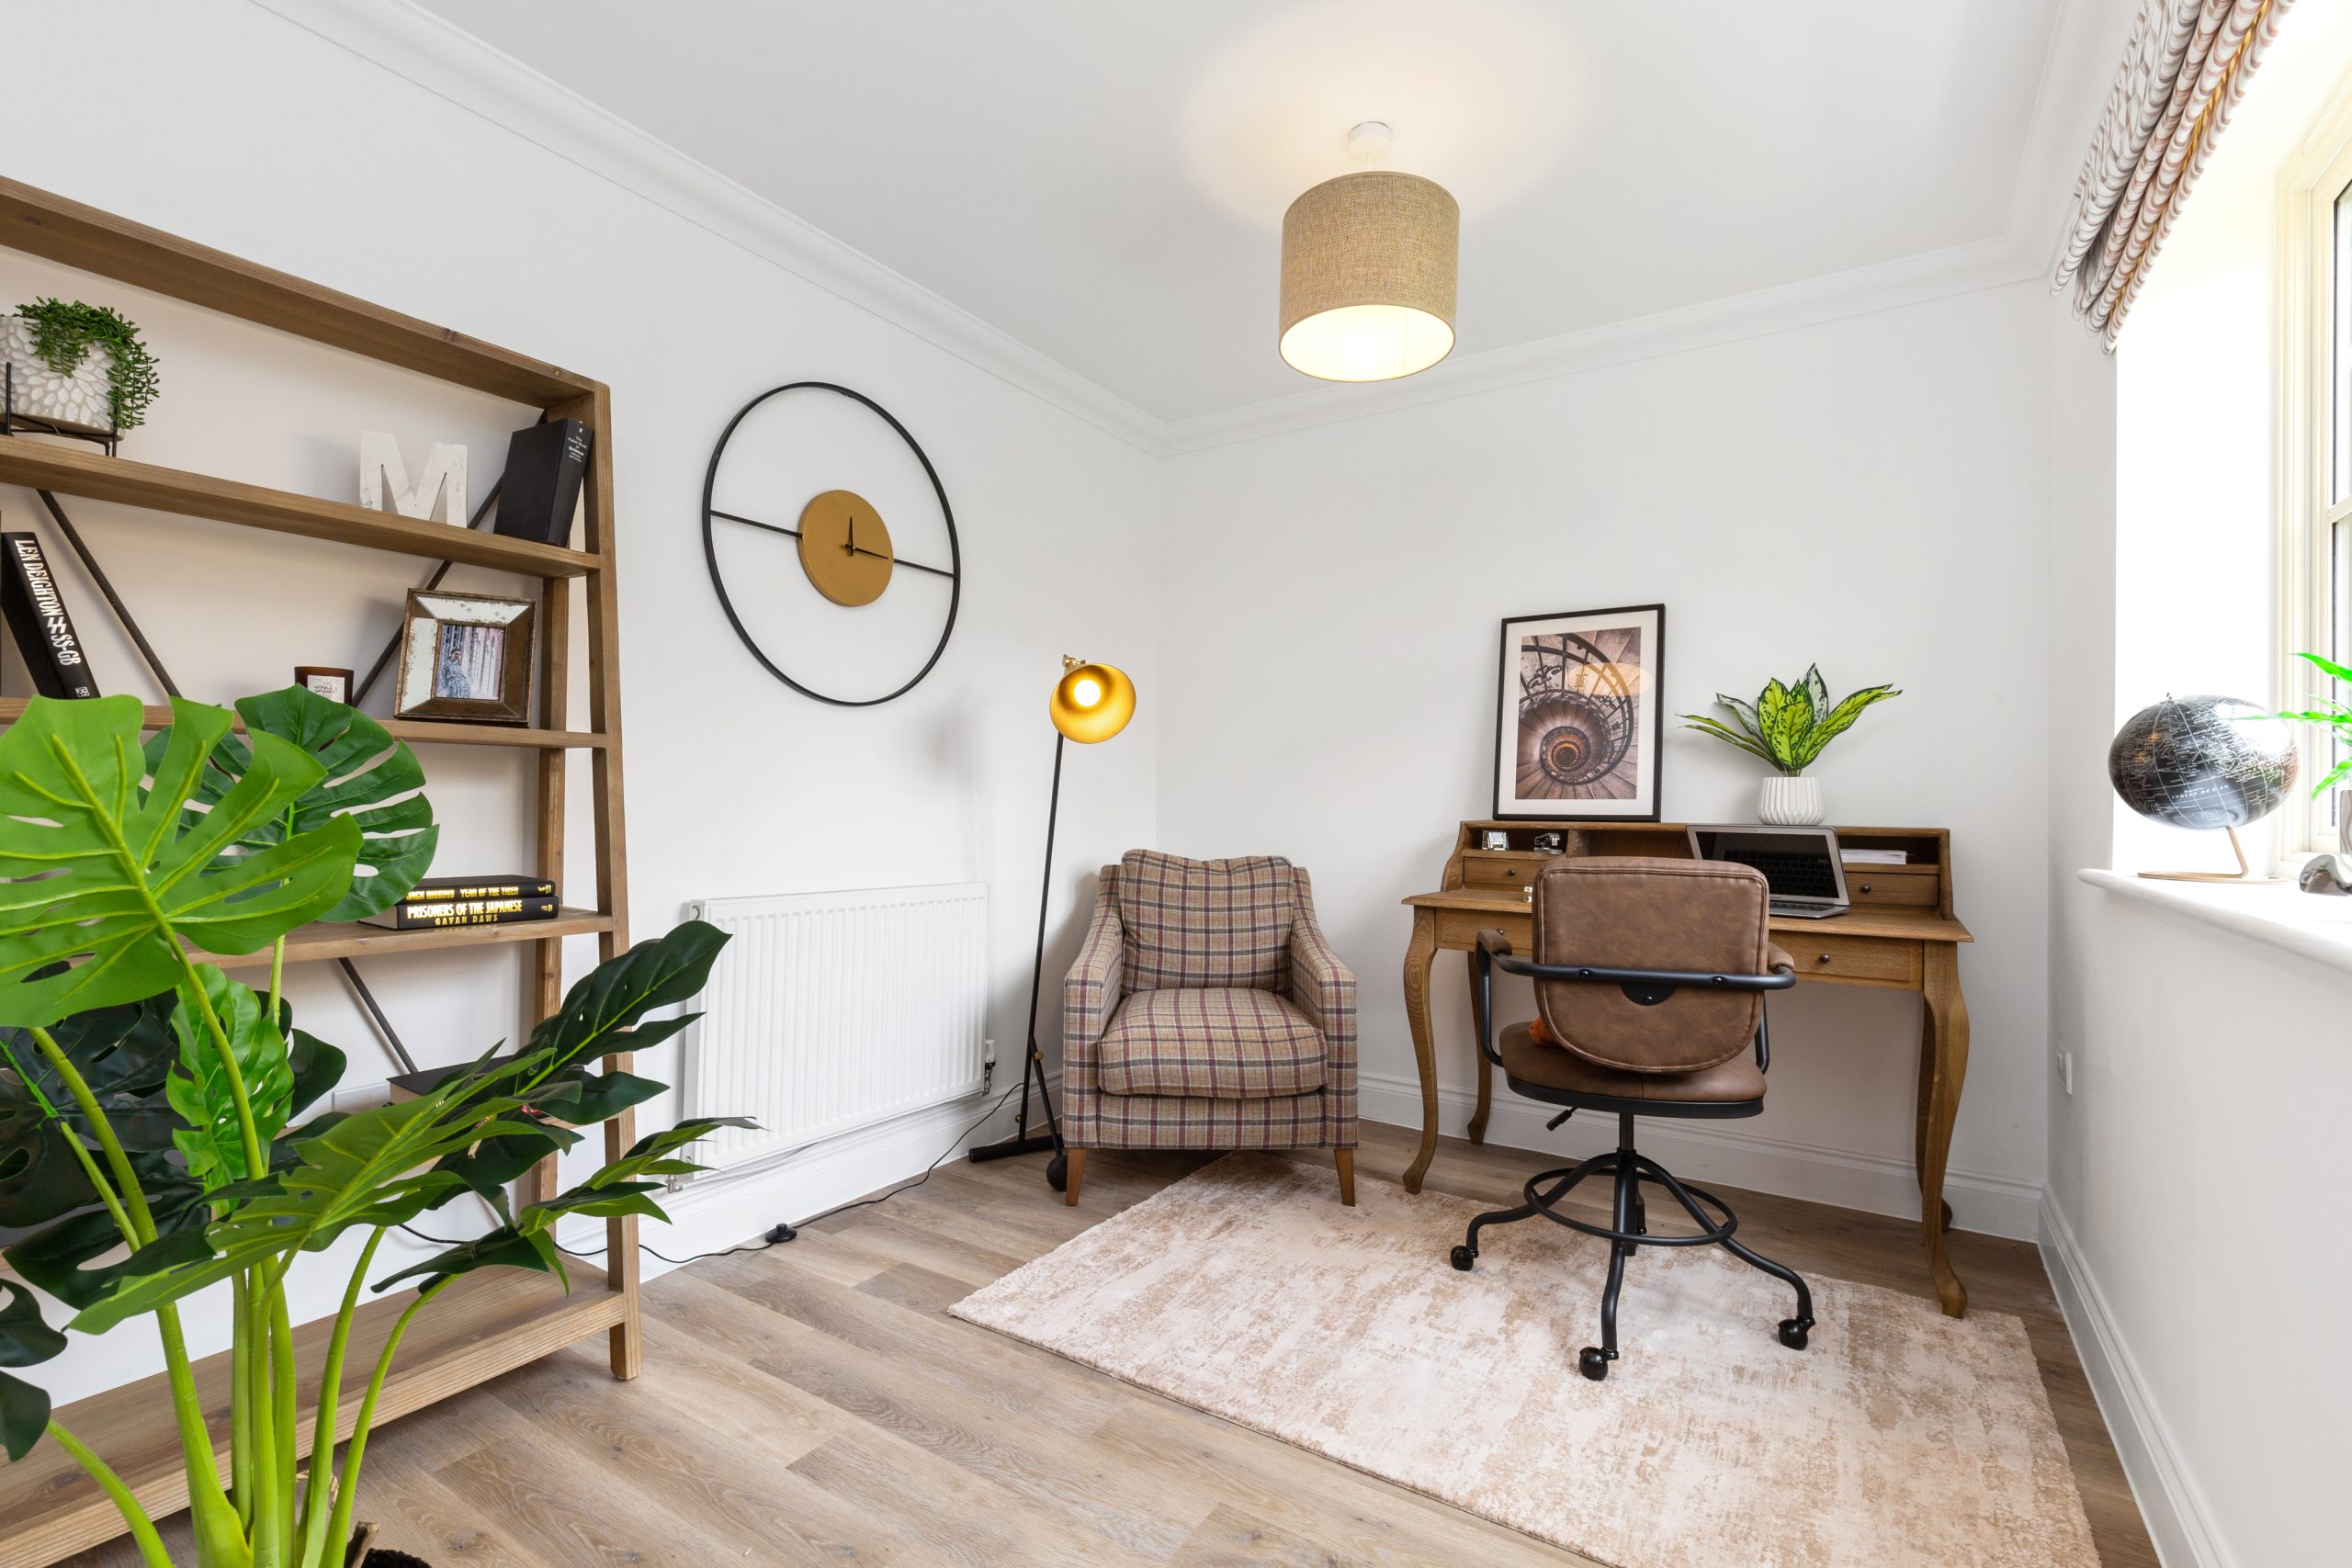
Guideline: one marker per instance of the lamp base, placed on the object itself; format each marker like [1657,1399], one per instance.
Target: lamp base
[1056,1169]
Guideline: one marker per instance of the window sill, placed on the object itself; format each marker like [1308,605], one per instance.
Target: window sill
[2277,913]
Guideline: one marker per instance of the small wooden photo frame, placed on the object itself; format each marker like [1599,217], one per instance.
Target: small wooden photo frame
[465,656]
[324,680]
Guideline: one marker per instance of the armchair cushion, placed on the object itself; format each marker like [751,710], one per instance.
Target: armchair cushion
[1222,1043]
[1205,924]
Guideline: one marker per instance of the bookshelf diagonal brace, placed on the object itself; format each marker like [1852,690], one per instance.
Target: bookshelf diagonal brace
[105,589]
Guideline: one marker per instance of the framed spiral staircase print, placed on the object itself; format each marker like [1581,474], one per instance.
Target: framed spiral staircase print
[1577,715]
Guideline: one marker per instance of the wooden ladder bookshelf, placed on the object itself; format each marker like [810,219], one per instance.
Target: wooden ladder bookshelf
[487,1323]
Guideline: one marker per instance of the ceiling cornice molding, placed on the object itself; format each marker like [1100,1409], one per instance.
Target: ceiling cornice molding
[443,60]
[1911,280]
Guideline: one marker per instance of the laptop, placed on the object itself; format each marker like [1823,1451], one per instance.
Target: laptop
[1801,864]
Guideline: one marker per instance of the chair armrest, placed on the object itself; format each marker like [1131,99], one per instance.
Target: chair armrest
[1091,989]
[1324,990]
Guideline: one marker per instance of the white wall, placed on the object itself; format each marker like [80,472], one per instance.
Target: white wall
[1869,493]
[2196,1151]
[343,173]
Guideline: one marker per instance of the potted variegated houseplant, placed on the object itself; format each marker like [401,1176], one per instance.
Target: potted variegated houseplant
[80,364]
[1789,725]
[156,1135]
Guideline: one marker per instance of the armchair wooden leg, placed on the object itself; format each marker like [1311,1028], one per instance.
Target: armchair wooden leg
[1077,1170]
[1347,1158]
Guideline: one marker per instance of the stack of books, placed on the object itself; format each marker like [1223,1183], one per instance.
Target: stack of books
[439,901]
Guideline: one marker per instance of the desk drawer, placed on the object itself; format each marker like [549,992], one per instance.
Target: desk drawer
[1914,885]
[1861,961]
[1513,872]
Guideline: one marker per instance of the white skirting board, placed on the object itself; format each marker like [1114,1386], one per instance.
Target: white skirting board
[1717,1152]
[2180,1522]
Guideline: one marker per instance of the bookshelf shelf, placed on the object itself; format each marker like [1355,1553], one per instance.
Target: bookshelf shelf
[316,943]
[492,1322]
[416,732]
[97,477]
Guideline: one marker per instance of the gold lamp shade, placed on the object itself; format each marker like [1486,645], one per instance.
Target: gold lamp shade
[1093,702]
[1368,276]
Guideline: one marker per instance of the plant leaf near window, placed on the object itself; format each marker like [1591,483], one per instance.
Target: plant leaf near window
[63,333]
[2336,715]
[1789,723]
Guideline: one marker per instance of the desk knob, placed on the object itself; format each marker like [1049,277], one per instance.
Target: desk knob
[1823,959]
[1866,887]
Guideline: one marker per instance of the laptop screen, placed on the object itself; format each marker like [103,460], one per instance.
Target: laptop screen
[1799,863]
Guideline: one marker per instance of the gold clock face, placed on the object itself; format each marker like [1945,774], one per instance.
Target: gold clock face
[844,549]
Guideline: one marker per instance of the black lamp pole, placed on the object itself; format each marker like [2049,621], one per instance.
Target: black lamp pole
[1023,1142]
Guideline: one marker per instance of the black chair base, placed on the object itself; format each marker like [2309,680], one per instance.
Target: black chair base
[1629,1231]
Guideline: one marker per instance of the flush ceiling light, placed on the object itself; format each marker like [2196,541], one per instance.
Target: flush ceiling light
[1368,272]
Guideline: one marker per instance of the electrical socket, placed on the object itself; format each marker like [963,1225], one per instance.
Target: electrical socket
[988,1066]
[2066,1071]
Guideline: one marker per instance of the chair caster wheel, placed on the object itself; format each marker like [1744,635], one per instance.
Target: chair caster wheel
[1463,1258]
[1593,1362]
[1058,1173]
[1794,1331]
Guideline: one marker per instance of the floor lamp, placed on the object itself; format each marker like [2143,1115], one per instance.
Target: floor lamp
[1090,704]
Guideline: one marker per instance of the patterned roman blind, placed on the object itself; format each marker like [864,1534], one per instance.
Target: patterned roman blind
[2183,73]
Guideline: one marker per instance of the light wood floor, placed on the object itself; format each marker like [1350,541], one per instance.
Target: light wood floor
[816,1405]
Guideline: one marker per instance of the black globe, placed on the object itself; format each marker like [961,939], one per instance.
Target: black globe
[2202,761]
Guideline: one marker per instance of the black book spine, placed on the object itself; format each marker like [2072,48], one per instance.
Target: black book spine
[541,490]
[37,616]
[452,889]
[464,912]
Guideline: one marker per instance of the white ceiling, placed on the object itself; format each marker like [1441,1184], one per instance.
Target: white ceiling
[1105,179]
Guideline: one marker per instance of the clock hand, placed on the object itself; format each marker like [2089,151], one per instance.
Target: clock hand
[851,547]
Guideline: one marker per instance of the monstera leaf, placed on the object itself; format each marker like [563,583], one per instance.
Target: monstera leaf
[96,868]
[366,777]
[199,1087]
[25,1342]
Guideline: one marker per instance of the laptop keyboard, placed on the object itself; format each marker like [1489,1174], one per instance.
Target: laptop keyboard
[1791,876]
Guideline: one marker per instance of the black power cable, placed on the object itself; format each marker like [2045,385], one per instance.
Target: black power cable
[784,1232]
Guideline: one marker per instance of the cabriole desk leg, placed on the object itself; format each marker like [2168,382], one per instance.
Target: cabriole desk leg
[1417,955]
[1948,1018]
[1486,1068]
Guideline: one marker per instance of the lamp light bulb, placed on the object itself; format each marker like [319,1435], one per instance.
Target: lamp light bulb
[1086,694]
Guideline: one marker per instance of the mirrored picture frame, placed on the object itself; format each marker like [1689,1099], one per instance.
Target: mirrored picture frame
[465,656]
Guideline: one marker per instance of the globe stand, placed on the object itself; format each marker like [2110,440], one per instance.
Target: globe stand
[2242,873]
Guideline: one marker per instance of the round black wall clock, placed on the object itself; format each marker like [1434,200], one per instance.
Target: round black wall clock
[844,549]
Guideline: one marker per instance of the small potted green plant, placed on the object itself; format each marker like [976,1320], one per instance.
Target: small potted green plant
[1789,726]
[80,364]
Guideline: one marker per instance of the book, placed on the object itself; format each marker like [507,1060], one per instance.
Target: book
[540,489]
[443,889]
[1874,857]
[406,917]
[35,614]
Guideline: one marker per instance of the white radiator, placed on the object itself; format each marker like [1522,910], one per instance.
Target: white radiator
[831,1011]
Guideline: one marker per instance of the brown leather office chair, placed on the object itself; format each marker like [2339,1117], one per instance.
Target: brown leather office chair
[1650,977]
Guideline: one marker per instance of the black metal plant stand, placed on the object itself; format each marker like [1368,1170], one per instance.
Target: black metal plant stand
[16,421]
[1022,1141]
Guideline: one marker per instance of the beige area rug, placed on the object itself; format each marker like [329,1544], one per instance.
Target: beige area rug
[1901,1437]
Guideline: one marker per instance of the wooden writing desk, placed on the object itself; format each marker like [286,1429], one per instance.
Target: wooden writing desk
[1900,935]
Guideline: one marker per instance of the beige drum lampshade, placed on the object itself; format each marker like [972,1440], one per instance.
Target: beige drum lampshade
[1368,276]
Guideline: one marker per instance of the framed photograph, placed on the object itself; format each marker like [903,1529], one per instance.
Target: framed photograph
[1551,843]
[1493,839]
[324,680]
[467,657]
[1577,716]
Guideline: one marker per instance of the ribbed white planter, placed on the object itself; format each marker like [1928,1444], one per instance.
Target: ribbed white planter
[1786,802]
[76,398]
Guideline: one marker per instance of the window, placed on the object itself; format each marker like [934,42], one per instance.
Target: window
[2315,452]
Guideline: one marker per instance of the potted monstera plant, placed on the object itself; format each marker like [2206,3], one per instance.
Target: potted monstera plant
[156,1130]
[1789,725]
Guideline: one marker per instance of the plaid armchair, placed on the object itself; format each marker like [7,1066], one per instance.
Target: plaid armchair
[1207,1011]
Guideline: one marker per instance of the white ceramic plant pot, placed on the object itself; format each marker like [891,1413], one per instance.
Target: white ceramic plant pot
[34,389]
[1787,802]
